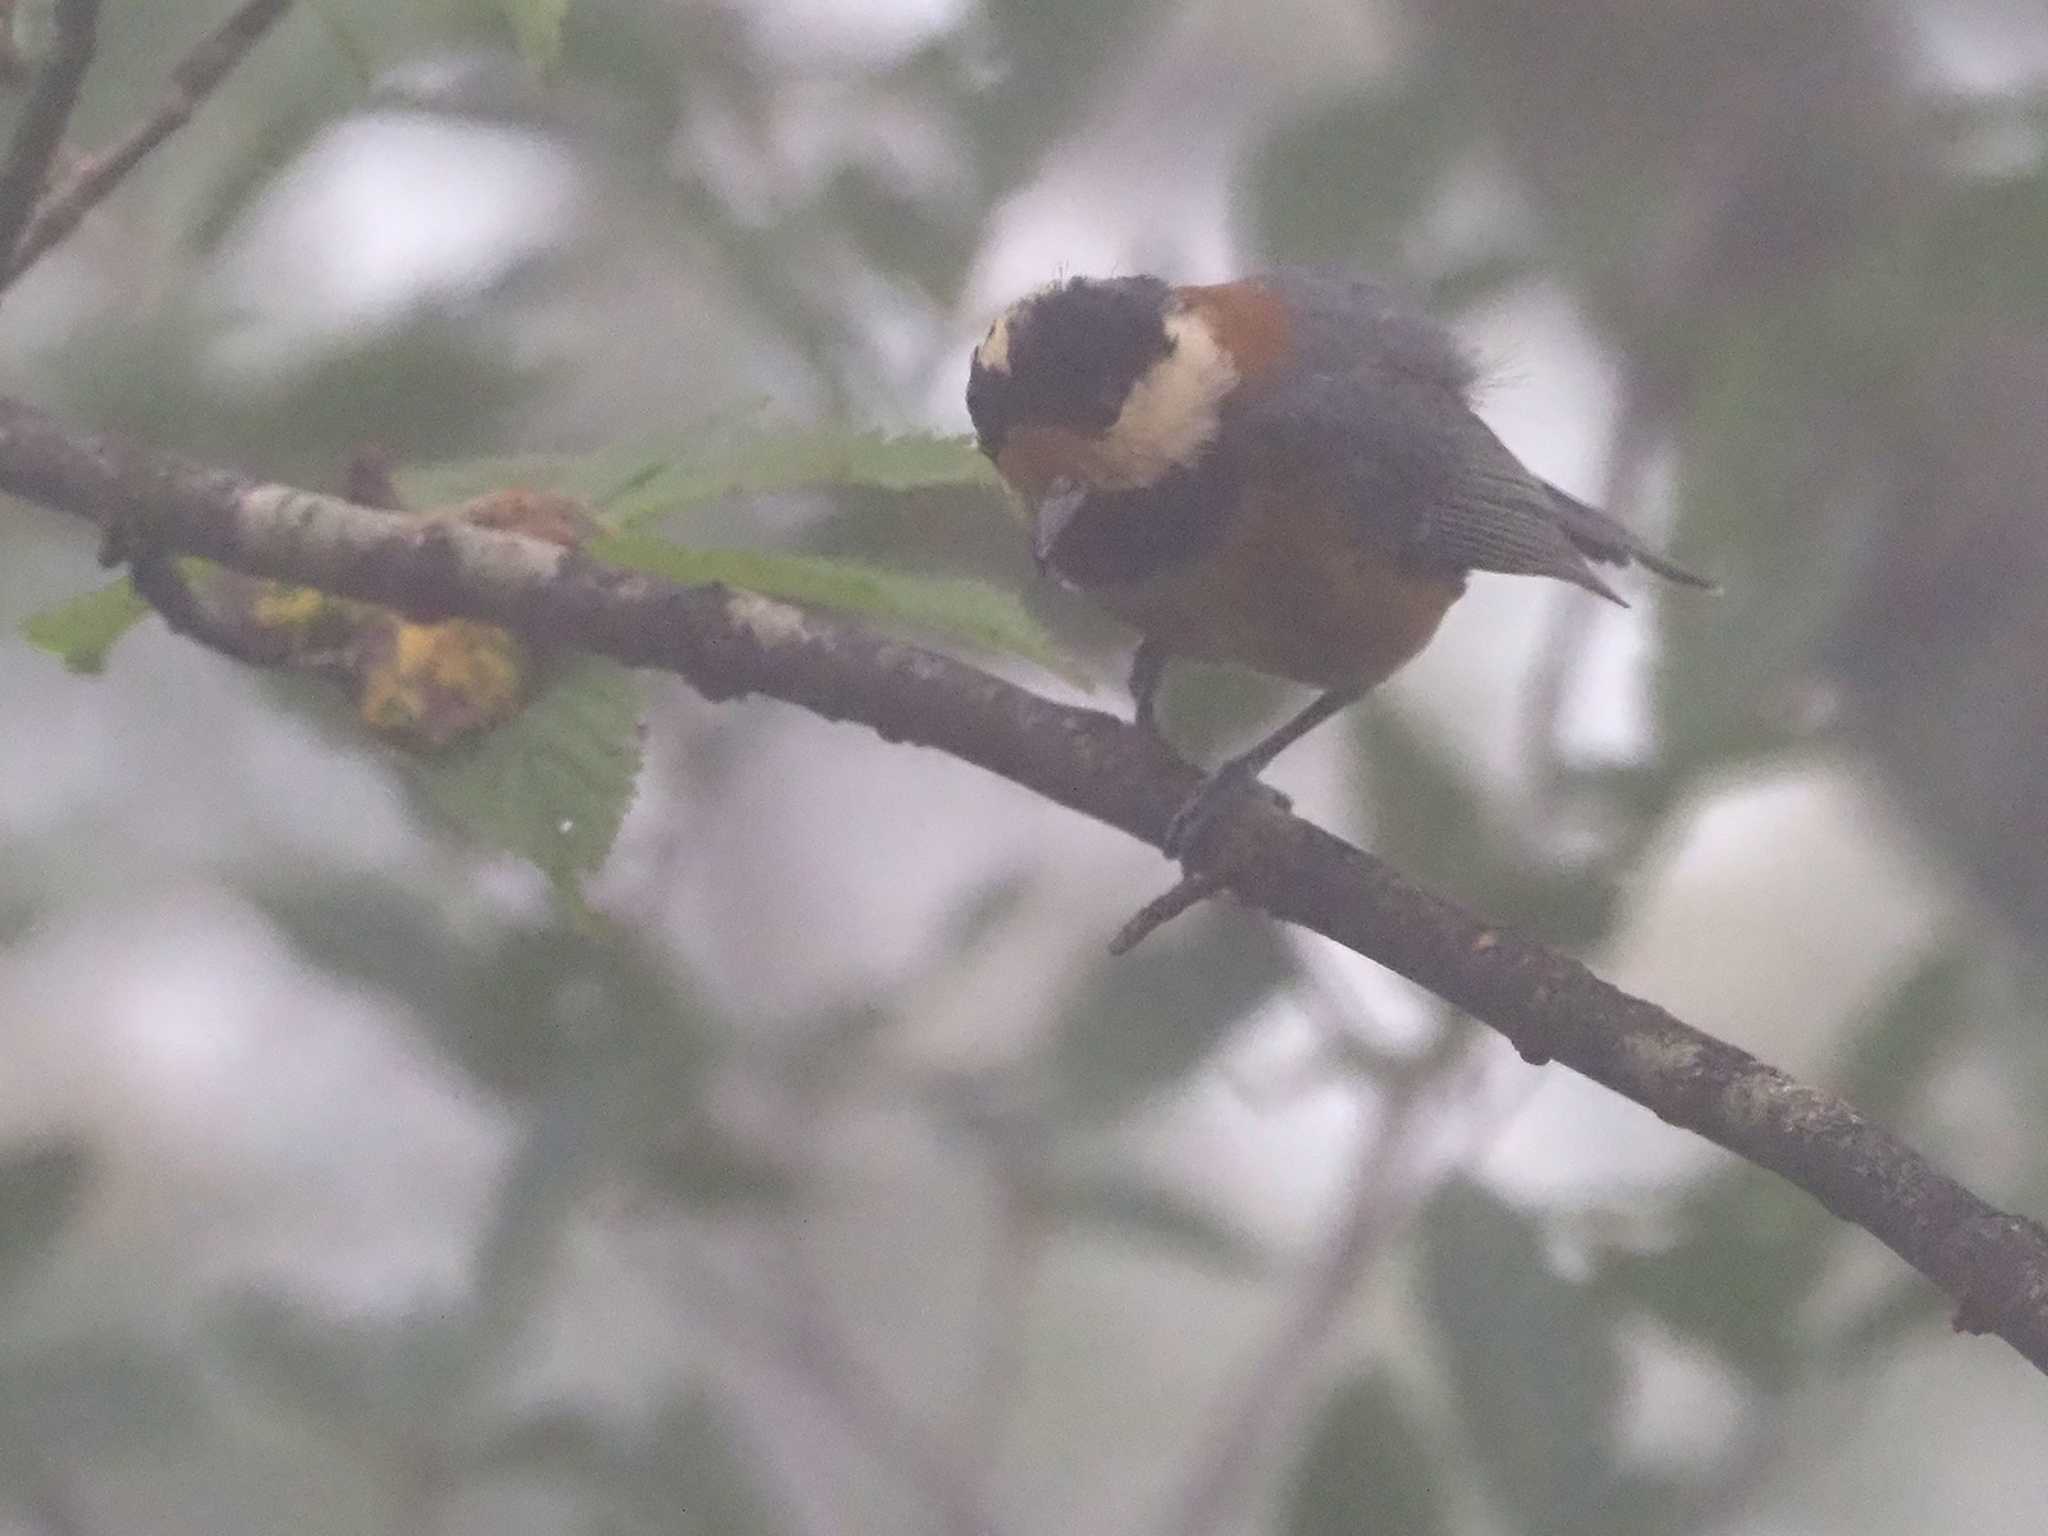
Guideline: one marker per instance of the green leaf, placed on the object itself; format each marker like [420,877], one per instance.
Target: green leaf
[40,1188]
[1754,1250]
[373,933]
[1349,180]
[635,486]
[537,24]
[482,996]
[1433,822]
[1365,1469]
[346,37]
[553,784]
[874,460]
[579,997]
[1054,53]
[1533,1366]
[1141,1023]
[1879,1333]
[635,483]
[1894,1058]
[83,630]
[1762,436]
[971,612]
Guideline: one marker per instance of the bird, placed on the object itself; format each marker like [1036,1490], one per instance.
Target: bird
[1283,472]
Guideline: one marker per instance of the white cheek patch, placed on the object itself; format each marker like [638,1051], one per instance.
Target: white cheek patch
[1173,412]
[994,352]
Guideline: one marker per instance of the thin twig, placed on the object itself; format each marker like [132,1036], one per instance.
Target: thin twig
[41,131]
[14,69]
[832,1367]
[727,643]
[194,78]
[758,1328]
[1383,1195]
[1190,890]
[1010,1280]
[820,1344]
[157,581]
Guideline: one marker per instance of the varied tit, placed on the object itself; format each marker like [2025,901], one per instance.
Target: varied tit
[1283,472]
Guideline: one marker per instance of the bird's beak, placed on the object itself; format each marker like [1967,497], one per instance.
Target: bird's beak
[1056,509]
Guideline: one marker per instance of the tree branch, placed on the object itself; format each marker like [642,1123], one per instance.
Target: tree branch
[1378,1205]
[41,130]
[194,78]
[728,643]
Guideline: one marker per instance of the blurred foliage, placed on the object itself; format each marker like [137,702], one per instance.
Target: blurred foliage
[957,609]
[80,631]
[815,1263]
[40,1188]
[635,484]
[1745,1278]
[537,24]
[1440,831]
[553,783]
[1135,1025]
[1399,140]
[1534,1367]
[547,771]
[1365,1468]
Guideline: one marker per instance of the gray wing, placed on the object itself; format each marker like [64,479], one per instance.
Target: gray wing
[1495,515]
[1503,517]
[1392,436]
[1605,539]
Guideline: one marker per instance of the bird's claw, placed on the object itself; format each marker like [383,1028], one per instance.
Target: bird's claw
[1222,792]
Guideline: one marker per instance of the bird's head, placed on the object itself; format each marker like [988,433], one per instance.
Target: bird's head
[1096,384]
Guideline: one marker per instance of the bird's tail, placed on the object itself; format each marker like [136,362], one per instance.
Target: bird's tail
[1603,538]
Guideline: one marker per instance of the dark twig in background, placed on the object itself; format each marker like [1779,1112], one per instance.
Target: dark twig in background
[41,130]
[1190,890]
[821,1347]
[1384,1191]
[13,67]
[830,1364]
[1011,1266]
[194,78]
[788,1330]
[157,580]
[728,643]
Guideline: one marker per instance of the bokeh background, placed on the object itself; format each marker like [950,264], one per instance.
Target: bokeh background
[839,1182]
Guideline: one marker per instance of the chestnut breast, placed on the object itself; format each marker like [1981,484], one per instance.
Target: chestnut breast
[1289,589]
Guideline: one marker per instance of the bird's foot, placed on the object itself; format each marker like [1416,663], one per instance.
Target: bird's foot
[1223,792]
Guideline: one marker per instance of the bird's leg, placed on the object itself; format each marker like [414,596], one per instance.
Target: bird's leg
[1238,775]
[1148,667]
